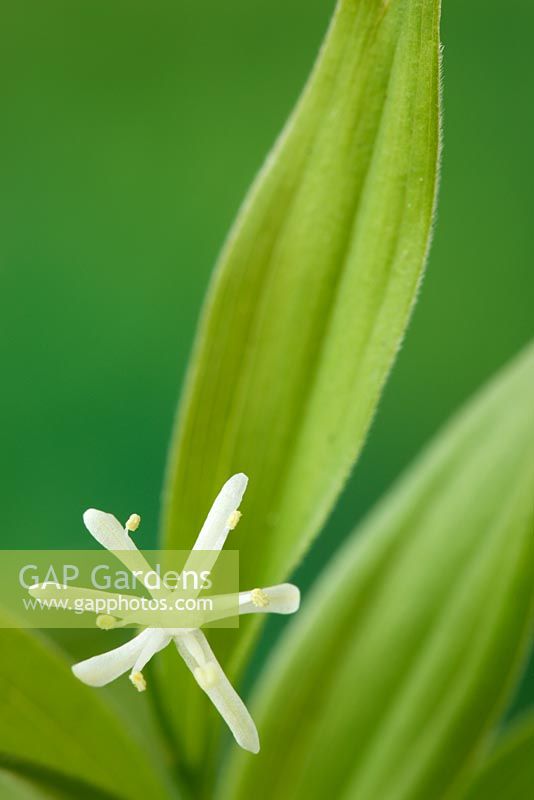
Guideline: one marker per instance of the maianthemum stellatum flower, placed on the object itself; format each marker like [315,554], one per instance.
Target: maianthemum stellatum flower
[191,643]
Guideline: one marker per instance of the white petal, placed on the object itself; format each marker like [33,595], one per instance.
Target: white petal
[102,669]
[107,530]
[159,638]
[284,598]
[281,599]
[199,657]
[219,520]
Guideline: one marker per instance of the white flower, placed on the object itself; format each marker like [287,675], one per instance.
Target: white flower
[191,643]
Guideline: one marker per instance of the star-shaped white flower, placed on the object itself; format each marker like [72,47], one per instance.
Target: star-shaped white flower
[191,643]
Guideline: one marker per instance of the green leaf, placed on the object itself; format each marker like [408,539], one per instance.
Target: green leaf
[13,787]
[312,294]
[38,784]
[395,669]
[50,721]
[508,770]
[314,288]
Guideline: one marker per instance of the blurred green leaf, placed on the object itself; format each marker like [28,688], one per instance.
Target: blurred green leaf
[38,784]
[312,295]
[508,770]
[51,721]
[13,787]
[392,674]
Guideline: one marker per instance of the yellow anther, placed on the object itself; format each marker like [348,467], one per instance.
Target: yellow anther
[259,598]
[134,520]
[207,675]
[233,519]
[138,680]
[106,622]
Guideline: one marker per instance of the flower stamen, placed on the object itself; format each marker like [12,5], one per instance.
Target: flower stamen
[206,675]
[259,598]
[138,680]
[233,519]
[106,622]
[133,522]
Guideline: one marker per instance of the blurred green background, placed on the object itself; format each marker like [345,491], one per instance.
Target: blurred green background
[130,132]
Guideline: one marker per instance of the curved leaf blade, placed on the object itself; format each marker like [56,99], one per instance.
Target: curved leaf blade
[13,787]
[314,288]
[26,782]
[51,721]
[404,653]
[308,305]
